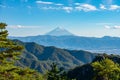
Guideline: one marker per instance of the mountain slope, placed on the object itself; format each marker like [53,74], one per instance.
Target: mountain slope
[59,32]
[40,58]
[87,71]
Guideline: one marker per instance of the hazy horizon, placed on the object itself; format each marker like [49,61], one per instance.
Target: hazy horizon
[65,35]
[88,18]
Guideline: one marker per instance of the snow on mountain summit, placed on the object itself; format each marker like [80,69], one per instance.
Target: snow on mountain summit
[59,31]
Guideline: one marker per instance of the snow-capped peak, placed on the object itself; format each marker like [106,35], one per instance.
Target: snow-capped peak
[59,31]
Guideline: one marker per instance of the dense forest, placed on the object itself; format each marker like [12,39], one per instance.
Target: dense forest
[102,67]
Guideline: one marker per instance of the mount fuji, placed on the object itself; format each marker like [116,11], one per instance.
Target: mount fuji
[62,38]
[59,31]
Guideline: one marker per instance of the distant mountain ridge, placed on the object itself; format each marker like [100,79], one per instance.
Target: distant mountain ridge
[40,57]
[75,42]
[59,31]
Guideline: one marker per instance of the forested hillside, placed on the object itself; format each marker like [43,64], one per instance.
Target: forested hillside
[103,67]
[40,57]
[9,54]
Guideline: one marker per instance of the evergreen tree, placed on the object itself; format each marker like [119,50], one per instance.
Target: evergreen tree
[103,67]
[56,73]
[9,53]
[106,70]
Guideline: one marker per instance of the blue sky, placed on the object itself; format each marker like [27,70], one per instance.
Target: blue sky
[94,18]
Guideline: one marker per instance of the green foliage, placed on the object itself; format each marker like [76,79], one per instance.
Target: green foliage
[11,72]
[56,73]
[103,67]
[106,70]
[9,53]
[84,72]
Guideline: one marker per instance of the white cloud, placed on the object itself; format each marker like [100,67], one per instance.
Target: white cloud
[22,26]
[79,8]
[59,4]
[109,7]
[116,27]
[86,7]
[102,7]
[68,9]
[112,27]
[65,8]
[107,27]
[76,7]
[15,26]
[77,4]
[19,26]
[51,8]
[114,7]
[43,2]
[48,3]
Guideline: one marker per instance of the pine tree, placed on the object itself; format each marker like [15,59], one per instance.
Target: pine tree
[56,73]
[106,70]
[8,50]
[9,53]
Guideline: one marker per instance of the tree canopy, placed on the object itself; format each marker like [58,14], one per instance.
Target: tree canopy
[9,53]
[106,70]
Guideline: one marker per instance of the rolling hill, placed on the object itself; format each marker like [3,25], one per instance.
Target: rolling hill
[40,57]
